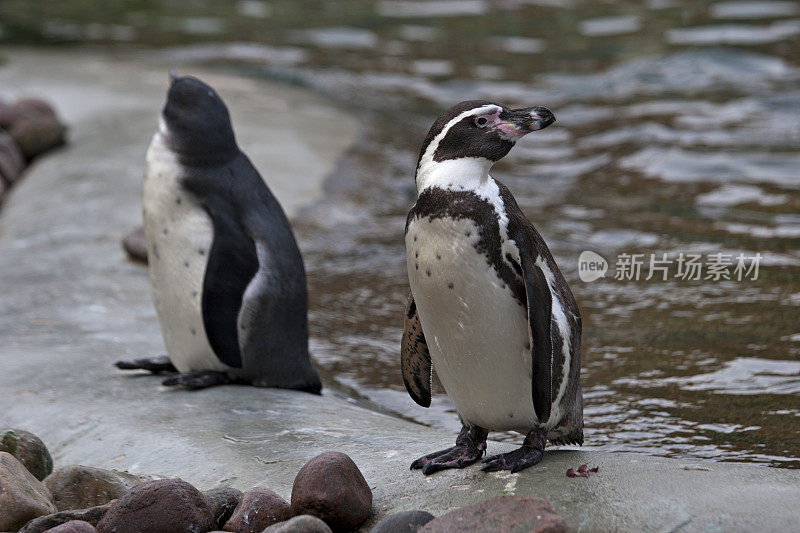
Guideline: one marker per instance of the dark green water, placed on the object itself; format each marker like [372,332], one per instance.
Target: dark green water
[678,132]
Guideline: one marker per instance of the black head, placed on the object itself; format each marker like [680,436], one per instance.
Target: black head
[196,122]
[482,129]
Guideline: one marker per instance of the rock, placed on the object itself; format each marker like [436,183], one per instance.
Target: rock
[33,106]
[506,513]
[259,508]
[80,487]
[37,134]
[12,162]
[74,526]
[22,496]
[160,506]
[403,522]
[93,515]
[29,450]
[331,487]
[300,524]
[135,244]
[222,501]
[27,107]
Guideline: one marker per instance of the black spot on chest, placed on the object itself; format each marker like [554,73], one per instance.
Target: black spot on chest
[436,203]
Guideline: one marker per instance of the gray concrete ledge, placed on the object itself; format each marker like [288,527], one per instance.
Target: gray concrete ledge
[70,305]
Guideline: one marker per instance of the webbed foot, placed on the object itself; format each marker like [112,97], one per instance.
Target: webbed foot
[156,365]
[470,446]
[529,454]
[199,379]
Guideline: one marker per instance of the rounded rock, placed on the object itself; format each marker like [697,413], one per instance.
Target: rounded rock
[92,515]
[22,496]
[258,509]
[27,107]
[37,134]
[34,106]
[135,244]
[160,506]
[403,522]
[81,487]
[29,450]
[73,526]
[331,487]
[506,513]
[222,501]
[300,524]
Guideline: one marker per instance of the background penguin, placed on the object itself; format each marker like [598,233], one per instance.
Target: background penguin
[488,308]
[227,276]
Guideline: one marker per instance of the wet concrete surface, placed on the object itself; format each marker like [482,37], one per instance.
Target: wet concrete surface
[72,304]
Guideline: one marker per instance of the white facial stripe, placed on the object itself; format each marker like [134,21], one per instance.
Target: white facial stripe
[431,149]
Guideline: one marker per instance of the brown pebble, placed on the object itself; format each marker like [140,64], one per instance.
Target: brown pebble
[331,487]
[258,509]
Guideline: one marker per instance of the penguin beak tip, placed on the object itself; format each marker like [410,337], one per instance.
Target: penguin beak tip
[542,117]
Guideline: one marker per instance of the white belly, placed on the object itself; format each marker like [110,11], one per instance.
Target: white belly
[179,235]
[476,332]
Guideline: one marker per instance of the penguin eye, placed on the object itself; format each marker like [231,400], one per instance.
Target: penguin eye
[481,121]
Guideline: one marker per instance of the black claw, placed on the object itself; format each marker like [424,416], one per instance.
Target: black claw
[197,380]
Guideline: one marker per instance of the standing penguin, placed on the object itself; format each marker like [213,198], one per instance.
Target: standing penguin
[226,273]
[488,308]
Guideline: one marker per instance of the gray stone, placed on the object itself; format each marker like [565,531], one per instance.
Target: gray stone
[222,501]
[506,513]
[80,487]
[331,487]
[403,522]
[93,515]
[29,450]
[74,526]
[22,496]
[300,524]
[160,506]
[135,244]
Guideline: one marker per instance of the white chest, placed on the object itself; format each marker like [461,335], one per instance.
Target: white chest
[179,236]
[475,330]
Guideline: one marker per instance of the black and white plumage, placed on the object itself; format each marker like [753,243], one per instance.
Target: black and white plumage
[489,309]
[227,276]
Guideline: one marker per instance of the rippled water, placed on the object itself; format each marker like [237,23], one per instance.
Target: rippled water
[678,132]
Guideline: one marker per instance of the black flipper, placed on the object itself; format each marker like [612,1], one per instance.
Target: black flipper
[415,360]
[232,263]
[540,312]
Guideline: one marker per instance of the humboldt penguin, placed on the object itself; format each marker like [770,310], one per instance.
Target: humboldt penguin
[227,276]
[488,309]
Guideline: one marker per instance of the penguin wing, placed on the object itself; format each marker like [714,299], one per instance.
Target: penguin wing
[540,312]
[232,263]
[415,359]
